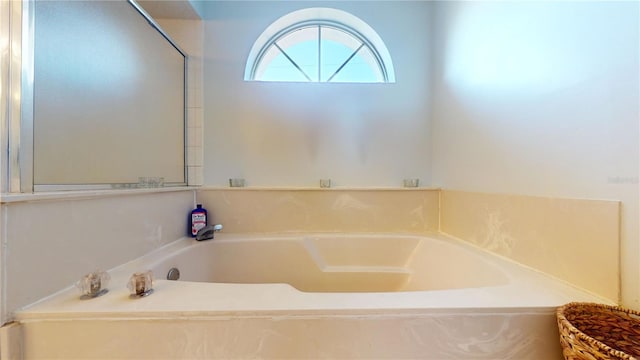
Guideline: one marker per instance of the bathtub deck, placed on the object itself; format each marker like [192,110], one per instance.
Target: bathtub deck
[531,292]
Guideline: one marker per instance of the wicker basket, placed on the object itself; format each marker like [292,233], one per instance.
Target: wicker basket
[598,332]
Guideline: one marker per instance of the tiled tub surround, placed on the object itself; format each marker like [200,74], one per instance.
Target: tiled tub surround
[440,311]
[575,240]
[323,210]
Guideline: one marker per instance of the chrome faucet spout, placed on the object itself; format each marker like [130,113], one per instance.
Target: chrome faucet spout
[208,232]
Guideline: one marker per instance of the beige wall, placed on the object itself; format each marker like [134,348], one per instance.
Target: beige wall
[292,134]
[541,98]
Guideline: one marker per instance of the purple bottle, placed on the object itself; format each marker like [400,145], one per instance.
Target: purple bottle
[198,219]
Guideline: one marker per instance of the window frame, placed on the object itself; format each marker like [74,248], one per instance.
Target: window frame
[320,17]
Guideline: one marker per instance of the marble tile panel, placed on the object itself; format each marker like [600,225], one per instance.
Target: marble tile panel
[476,335]
[328,210]
[575,240]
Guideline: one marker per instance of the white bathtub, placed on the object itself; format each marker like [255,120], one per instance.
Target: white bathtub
[311,296]
[335,263]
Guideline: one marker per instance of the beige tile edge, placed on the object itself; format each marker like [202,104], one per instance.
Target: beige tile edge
[7,198]
[302,188]
[549,197]
[11,342]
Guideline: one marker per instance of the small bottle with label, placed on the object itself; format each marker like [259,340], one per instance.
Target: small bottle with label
[198,219]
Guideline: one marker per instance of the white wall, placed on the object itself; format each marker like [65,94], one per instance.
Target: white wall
[541,98]
[293,134]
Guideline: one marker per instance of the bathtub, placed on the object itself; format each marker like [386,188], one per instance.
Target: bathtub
[335,263]
[310,296]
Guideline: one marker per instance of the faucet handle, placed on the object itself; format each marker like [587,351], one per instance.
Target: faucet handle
[141,284]
[93,284]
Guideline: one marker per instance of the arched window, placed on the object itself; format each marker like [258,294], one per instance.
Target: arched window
[319,45]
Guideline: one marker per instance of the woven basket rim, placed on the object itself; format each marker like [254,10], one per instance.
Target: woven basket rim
[582,336]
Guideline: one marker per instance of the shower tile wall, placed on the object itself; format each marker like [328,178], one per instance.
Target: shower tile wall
[188,34]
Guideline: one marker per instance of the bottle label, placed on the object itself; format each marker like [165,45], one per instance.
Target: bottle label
[198,221]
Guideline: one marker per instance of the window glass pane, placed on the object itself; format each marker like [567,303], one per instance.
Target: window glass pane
[363,67]
[358,70]
[302,47]
[336,47]
[276,67]
[332,55]
[281,69]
